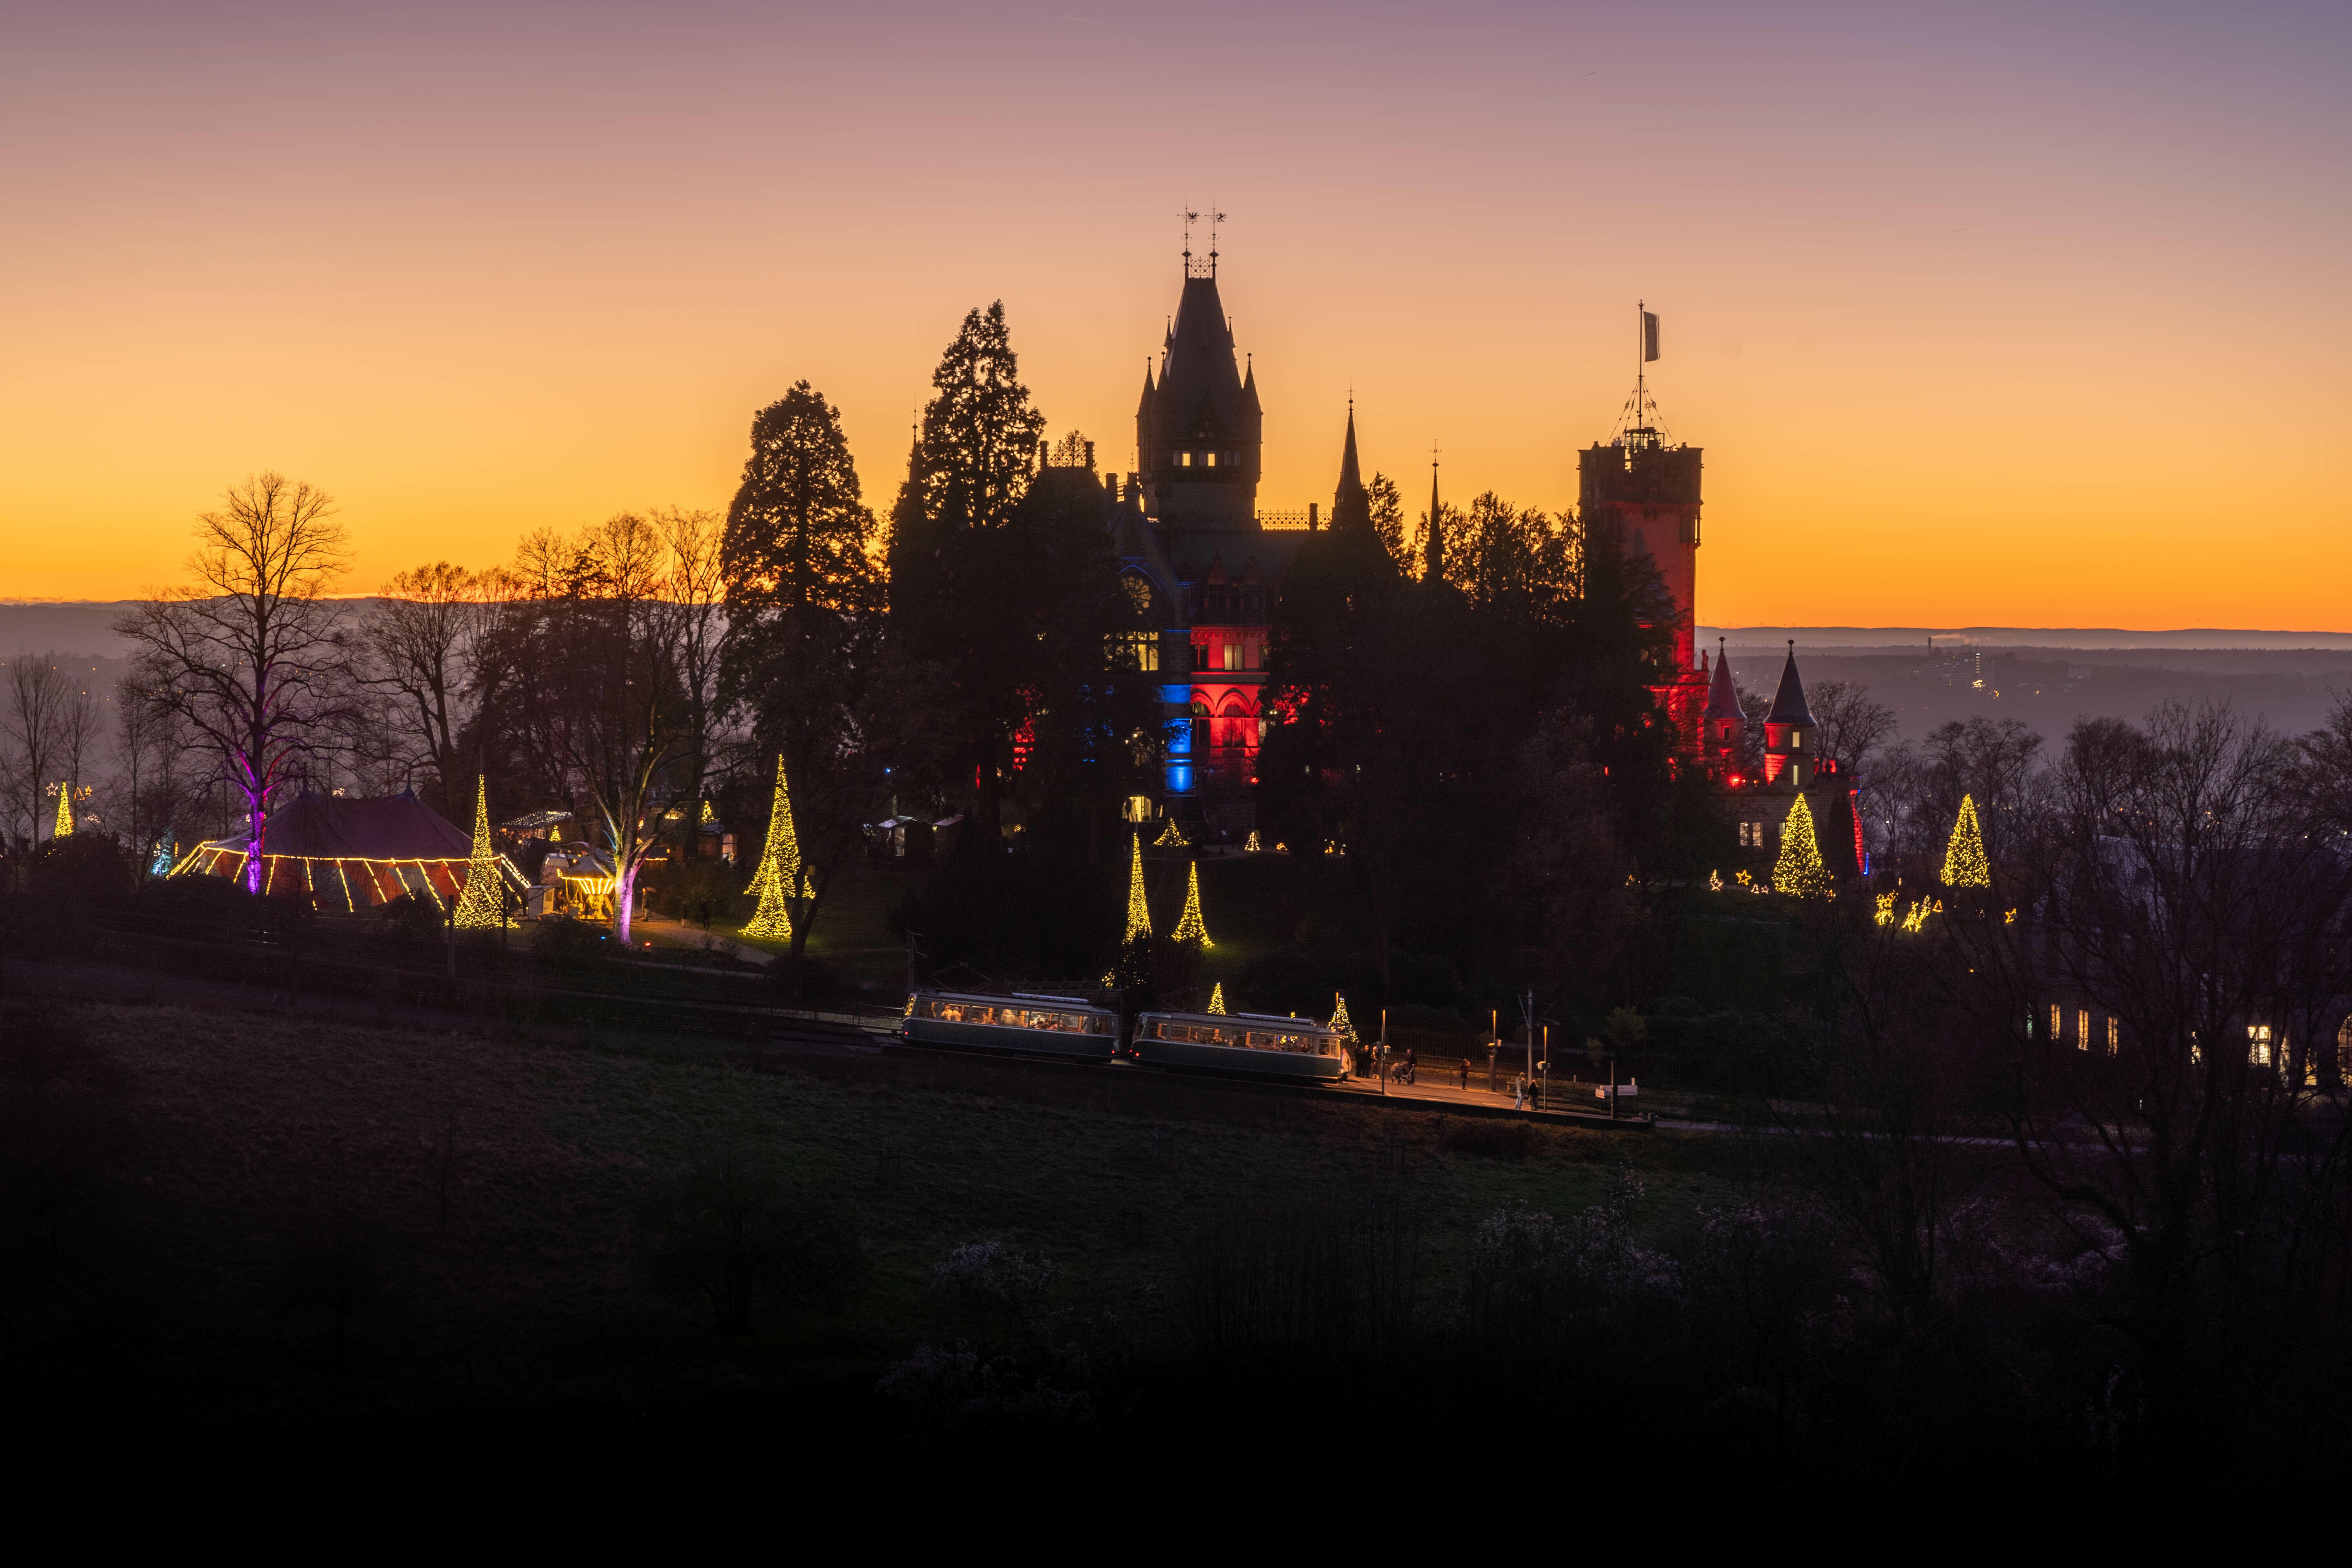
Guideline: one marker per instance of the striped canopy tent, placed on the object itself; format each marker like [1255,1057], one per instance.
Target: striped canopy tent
[350,855]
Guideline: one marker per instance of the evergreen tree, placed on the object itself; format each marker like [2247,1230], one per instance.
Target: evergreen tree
[1964,859]
[482,906]
[798,533]
[1800,871]
[1190,927]
[780,882]
[1139,913]
[803,649]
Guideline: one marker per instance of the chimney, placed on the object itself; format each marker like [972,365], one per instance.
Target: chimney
[1311,515]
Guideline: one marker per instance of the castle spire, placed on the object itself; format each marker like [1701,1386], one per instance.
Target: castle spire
[1351,505]
[1722,695]
[1434,547]
[1788,702]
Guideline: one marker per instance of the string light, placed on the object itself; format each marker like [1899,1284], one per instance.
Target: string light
[65,811]
[1714,881]
[1217,997]
[1964,861]
[480,907]
[1252,846]
[1171,838]
[1886,909]
[1188,926]
[1339,1023]
[781,876]
[1800,871]
[1139,913]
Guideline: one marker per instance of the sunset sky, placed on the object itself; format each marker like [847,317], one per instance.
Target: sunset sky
[2027,315]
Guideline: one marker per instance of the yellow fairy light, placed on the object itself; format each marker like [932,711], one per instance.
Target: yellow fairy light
[1339,1023]
[1714,881]
[1171,838]
[1188,926]
[1217,997]
[781,876]
[1799,870]
[1964,860]
[480,907]
[1742,877]
[1886,909]
[1139,913]
[1252,847]
[2008,918]
[65,811]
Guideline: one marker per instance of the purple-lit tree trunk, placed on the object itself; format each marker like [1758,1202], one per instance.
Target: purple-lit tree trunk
[250,656]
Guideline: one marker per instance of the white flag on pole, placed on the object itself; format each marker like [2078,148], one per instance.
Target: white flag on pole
[1649,336]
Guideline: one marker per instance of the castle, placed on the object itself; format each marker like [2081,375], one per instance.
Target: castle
[1200,566]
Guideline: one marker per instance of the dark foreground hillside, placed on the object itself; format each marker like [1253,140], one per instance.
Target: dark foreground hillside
[237,1227]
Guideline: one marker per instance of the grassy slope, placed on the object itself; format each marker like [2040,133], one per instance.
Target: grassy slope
[246,1126]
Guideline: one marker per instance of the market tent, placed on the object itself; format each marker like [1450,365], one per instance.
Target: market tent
[345,854]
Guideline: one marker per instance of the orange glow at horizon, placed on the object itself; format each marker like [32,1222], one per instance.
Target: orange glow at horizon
[1972,333]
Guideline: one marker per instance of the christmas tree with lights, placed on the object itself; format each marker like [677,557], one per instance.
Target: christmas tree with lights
[1217,997]
[65,811]
[1139,914]
[1965,864]
[480,907]
[1799,870]
[1188,926]
[781,878]
[1340,1024]
[1171,838]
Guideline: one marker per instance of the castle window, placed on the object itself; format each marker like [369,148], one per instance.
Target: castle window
[1233,655]
[1796,740]
[2112,1033]
[1134,650]
[1183,459]
[2082,1029]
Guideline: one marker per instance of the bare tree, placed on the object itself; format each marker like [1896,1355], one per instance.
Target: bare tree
[1852,725]
[37,694]
[2166,952]
[152,784]
[250,656]
[696,598]
[587,684]
[420,639]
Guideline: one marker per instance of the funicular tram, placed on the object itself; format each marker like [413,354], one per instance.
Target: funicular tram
[1069,1028]
[1262,1045]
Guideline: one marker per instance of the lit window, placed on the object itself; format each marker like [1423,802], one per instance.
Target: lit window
[1209,460]
[2258,1044]
[1796,740]
[2082,1029]
[1183,459]
[2111,1034]
[1233,655]
[1135,650]
[2057,1022]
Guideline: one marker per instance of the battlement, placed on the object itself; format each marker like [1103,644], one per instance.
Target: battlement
[1639,476]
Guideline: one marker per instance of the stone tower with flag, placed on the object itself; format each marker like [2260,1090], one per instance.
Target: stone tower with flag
[1642,491]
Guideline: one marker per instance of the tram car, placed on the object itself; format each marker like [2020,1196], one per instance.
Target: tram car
[1259,1044]
[1068,1027]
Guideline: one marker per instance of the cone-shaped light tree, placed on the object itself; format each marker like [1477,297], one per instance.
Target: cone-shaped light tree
[1965,864]
[1217,997]
[482,906]
[65,810]
[781,878]
[1340,1024]
[1799,870]
[1139,914]
[1188,926]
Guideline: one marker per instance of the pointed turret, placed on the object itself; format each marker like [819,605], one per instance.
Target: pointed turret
[1432,568]
[1143,422]
[1722,695]
[1351,507]
[1790,735]
[1788,702]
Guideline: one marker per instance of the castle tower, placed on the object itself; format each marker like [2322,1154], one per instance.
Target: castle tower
[1644,494]
[1791,740]
[1351,504]
[1198,430]
[1726,725]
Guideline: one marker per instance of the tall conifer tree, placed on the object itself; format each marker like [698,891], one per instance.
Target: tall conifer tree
[1801,870]
[1965,864]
